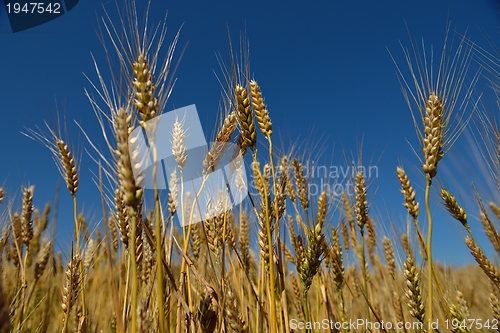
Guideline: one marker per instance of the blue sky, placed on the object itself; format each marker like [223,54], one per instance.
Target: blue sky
[324,68]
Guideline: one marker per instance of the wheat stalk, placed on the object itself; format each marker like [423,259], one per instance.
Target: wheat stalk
[440,119]
[132,195]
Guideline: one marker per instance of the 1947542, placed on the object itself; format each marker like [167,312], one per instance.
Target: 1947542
[33,8]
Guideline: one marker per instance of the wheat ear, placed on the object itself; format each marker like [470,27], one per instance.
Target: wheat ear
[483,261]
[132,193]
[494,303]
[261,112]
[71,289]
[68,163]
[300,182]
[455,210]
[27,216]
[245,118]
[408,193]
[337,261]
[146,102]
[389,256]
[413,291]
[217,149]
[433,135]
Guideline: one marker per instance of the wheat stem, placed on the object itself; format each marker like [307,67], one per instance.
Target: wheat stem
[430,266]
[277,217]
[187,236]
[183,265]
[135,285]
[159,248]
[365,276]
[272,295]
[306,309]
[78,248]
[362,219]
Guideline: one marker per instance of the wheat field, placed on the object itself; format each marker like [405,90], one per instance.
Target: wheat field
[284,259]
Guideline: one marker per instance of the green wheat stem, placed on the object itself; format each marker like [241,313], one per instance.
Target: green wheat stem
[436,279]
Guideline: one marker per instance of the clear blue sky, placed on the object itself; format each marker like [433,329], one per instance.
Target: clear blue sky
[323,66]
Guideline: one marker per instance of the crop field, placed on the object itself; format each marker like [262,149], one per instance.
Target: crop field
[268,250]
